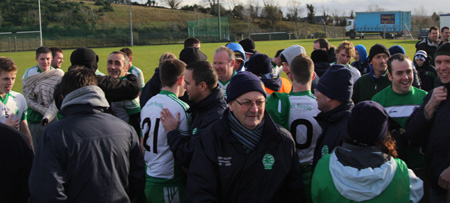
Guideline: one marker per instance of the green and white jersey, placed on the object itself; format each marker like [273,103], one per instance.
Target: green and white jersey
[400,106]
[303,125]
[13,103]
[224,85]
[138,73]
[33,71]
[126,107]
[158,157]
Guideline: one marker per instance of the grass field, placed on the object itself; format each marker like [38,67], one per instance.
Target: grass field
[146,57]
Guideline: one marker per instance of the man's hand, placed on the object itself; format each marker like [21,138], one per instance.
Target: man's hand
[439,95]
[444,179]
[12,122]
[168,121]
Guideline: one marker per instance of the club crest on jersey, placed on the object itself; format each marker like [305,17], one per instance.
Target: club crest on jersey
[268,161]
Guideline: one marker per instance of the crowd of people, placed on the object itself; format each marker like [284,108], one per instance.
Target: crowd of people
[374,130]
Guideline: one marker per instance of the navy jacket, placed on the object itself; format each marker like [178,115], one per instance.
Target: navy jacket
[203,114]
[334,129]
[222,171]
[151,88]
[435,135]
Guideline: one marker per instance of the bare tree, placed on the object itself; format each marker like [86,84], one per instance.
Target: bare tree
[173,4]
[375,8]
[295,11]
[420,18]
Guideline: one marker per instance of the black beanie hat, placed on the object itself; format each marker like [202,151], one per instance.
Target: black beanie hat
[444,49]
[376,49]
[319,55]
[85,57]
[259,64]
[368,123]
[192,54]
[336,83]
[248,45]
[242,83]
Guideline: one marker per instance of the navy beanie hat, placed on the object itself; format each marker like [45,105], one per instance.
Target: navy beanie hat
[336,83]
[192,54]
[397,49]
[242,83]
[376,49]
[85,57]
[248,45]
[368,123]
[259,64]
[444,49]
[319,55]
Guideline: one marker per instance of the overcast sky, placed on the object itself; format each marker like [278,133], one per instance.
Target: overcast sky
[438,6]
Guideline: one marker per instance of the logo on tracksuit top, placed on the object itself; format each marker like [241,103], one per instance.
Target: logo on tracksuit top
[268,161]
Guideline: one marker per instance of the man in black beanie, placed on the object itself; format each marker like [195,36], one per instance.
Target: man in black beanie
[240,154]
[376,80]
[115,89]
[249,48]
[430,124]
[333,94]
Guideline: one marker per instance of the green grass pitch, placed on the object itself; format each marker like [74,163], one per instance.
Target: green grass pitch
[147,57]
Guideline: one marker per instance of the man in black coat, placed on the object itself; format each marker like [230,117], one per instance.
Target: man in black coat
[207,105]
[245,156]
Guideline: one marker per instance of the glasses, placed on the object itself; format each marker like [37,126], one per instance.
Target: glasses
[249,104]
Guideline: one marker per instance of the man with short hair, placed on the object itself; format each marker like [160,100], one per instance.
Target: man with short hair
[400,100]
[238,156]
[445,34]
[165,178]
[192,42]
[333,95]
[429,125]
[127,110]
[13,104]
[276,64]
[224,60]
[430,43]
[376,80]
[38,84]
[345,52]
[288,55]
[115,89]
[207,105]
[89,155]
[133,69]
[296,112]
[58,57]
[325,45]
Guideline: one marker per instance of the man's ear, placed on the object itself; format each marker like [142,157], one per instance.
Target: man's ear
[313,76]
[180,80]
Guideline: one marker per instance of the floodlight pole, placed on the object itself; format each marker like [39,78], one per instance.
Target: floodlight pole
[218,17]
[40,23]
[131,27]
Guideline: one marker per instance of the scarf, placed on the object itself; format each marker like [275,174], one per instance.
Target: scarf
[248,138]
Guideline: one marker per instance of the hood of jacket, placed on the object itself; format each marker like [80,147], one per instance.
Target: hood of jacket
[272,83]
[361,184]
[90,95]
[362,52]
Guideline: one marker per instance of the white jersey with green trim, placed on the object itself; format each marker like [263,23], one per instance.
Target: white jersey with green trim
[303,125]
[224,86]
[158,157]
[138,73]
[126,107]
[13,103]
